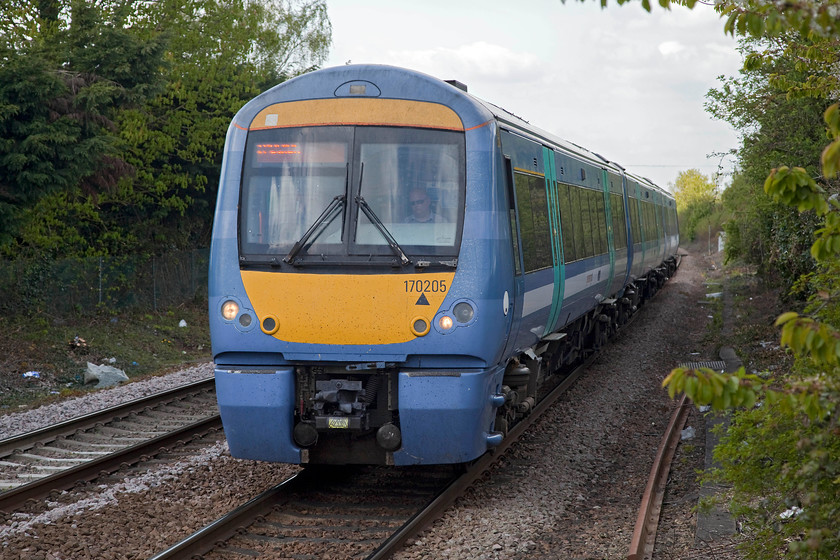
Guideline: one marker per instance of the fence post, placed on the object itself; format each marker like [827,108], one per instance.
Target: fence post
[192,273]
[154,282]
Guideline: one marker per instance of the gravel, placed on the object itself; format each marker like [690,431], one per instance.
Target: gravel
[570,489]
[21,422]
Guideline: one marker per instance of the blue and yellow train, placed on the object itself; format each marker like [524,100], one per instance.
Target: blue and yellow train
[397,267]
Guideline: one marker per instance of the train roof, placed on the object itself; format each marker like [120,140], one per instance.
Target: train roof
[506,117]
[391,83]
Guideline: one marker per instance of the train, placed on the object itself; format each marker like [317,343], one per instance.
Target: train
[397,267]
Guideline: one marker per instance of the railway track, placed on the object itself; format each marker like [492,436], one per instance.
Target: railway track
[647,521]
[81,449]
[366,513]
[346,512]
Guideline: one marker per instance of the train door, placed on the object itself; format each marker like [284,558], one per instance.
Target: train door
[556,239]
[609,230]
[659,202]
[512,303]
[635,206]
[628,226]
[617,218]
[528,171]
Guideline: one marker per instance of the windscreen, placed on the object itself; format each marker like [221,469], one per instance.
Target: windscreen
[291,176]
[412,181]
[352,191]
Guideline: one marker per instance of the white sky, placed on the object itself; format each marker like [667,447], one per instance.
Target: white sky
[621,82]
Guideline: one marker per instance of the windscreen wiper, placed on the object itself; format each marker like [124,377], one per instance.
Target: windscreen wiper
[336,203]
[374,219]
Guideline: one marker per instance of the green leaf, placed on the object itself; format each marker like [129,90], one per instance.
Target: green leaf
[753,61]
[731,21]
[786,317]
[830,159]
[832,119]
[755,24]
[749,399]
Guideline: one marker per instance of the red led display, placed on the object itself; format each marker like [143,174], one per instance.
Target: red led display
[309,153]
[277,153]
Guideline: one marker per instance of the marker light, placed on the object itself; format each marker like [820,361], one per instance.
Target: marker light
[445,322]
[419,327]
[230,309]
[270,325]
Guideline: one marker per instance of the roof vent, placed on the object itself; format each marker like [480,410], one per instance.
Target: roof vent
[457,84]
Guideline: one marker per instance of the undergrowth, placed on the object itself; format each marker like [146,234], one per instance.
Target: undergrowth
[43,358]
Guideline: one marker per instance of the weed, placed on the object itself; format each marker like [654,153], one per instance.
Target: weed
[140,343]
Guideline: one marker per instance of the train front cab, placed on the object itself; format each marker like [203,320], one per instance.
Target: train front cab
[339,351]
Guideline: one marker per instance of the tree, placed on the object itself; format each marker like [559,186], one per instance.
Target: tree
[696,196]
[776,129]
[58,102]
[155,86]
[224,55]
[793,458]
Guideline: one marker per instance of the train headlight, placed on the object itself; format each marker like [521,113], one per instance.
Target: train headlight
[229,310]
[445,322]
[463,312]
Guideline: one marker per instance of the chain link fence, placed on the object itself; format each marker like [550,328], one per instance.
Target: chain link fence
[85,286]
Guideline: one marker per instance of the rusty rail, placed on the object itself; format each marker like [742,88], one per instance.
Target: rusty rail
[644,535]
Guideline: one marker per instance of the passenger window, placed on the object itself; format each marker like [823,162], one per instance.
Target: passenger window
[567,220]
[601,238]
[578,217]
[587,218]
[533,221]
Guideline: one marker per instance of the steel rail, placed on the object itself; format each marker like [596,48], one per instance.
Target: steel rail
[50,433]
[63,480]
[644,534]
[439,505]
[228,525]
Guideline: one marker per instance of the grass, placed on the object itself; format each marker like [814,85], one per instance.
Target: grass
[139,343]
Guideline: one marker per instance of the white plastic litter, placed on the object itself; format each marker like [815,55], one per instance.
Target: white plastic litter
[104,376]
[792,512]
[34,374]
[687,433]
[182,324]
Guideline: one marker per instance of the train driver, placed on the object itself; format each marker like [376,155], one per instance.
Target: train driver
[421,208]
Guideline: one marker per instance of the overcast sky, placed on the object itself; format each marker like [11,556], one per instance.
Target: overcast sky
[622,82]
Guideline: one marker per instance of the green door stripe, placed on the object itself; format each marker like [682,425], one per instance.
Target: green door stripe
[641,220]
[610,233]
[556,239]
